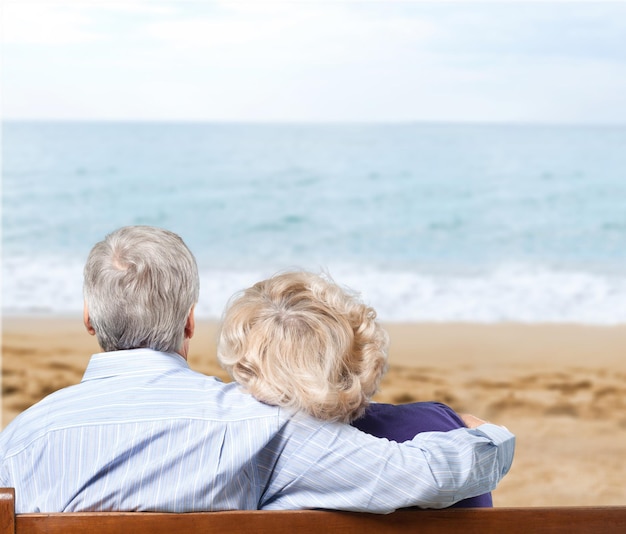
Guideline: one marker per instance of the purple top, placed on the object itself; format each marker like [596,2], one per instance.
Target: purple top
[401,422]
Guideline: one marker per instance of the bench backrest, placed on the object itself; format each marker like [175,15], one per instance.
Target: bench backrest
[569,520]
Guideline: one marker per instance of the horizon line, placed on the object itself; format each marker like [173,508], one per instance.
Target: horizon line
[309,122]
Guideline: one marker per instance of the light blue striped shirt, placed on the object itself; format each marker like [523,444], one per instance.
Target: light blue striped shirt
[144,432]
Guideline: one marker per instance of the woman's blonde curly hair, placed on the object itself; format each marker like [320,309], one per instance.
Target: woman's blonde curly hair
[300,341]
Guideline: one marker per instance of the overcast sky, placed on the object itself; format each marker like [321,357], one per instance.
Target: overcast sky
[315,60]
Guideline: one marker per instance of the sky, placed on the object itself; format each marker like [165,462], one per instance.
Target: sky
[314,61]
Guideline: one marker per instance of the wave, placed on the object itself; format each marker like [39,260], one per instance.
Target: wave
[509,293]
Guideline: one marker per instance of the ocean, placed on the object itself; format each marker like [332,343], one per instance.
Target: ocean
[429,222]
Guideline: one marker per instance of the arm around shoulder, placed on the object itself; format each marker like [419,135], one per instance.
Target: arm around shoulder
[335,466]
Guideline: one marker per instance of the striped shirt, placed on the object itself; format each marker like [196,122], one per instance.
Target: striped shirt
[143,432]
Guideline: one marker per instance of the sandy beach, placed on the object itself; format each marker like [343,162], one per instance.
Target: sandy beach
[560,388]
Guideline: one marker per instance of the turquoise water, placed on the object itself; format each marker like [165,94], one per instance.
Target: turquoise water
[430,222]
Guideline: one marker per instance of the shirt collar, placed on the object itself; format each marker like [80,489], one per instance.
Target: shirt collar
[127,362]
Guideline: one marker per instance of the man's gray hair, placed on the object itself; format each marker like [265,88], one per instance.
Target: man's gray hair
[140,284]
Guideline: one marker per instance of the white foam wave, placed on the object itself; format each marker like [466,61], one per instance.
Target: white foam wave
[517,294]
[509,293]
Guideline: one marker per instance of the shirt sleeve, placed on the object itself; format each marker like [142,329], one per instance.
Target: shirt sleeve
[335,466]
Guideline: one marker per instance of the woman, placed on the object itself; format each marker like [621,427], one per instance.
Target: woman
[300,341]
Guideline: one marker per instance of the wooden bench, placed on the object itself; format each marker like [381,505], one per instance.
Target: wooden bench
[570,520]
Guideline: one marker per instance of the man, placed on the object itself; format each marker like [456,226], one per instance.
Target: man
[144,432]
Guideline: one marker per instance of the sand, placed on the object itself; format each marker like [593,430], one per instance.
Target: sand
[560,388]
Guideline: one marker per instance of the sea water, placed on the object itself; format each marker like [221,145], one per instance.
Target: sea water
[429,222]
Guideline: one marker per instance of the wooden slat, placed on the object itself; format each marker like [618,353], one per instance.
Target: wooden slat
[7,511]
[470,521]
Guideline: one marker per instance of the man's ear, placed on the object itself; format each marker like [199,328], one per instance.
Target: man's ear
[87,321]
[190,326]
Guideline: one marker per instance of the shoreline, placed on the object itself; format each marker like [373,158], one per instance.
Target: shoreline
[561,388]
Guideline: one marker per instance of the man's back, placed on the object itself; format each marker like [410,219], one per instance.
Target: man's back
[141,432]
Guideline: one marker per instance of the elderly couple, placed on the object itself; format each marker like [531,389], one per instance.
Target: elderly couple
[144,432]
